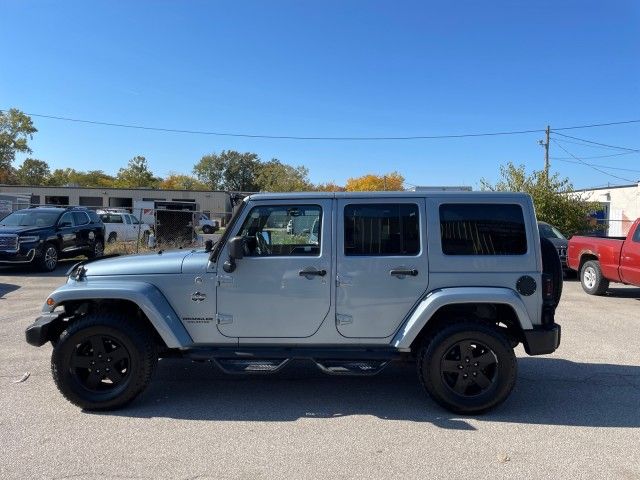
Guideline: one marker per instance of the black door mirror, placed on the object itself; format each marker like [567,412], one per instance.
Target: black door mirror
[236,252]
[236,248]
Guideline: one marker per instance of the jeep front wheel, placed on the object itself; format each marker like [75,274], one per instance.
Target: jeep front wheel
[103,361]
[468,367]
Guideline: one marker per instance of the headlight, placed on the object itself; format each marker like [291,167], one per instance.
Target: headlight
[29,239]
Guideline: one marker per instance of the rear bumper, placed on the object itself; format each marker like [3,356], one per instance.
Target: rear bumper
[42,330]
[542,340]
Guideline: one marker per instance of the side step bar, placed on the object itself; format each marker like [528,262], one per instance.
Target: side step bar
[333,361]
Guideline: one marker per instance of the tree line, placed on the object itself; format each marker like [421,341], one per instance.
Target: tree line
[227,170]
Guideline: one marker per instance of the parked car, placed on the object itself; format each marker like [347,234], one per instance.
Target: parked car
[208,225]
[601,260]
[558,239]
[121,225]
[43,235]
[452,280]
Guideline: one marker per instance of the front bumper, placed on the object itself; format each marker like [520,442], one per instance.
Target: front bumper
[18,257]
[43,329]
[542,339]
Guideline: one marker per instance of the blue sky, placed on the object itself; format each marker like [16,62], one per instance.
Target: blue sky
[330,68]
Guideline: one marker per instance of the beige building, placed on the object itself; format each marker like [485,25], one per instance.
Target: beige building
[621,206]
[214,203]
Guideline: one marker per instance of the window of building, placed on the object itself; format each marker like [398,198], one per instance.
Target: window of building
[382,229]
[56,200]
[482,229]
[283,230]
[90,202]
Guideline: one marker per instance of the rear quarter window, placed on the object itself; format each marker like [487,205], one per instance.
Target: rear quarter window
[482,229]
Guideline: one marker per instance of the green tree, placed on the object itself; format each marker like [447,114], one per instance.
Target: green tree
[16,129]
[95,178]
[136,174]
[229,170]
[555,201]
[210,170]
[33,172]
[275,176]
[62,177]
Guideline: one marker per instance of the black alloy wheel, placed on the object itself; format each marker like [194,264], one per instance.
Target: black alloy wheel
[469,368]
[103,360]
[100,364]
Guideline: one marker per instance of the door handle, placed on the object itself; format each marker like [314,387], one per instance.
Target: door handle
[311,273]
[401,272]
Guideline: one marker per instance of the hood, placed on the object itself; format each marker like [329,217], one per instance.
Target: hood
[20,230]
[165,262]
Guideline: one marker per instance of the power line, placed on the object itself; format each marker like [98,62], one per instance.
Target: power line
[597,165]
[292,137]
[598,125]
[597,156]
[591,166]
[582,144]
[600,144]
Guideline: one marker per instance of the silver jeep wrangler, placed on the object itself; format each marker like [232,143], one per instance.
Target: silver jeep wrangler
[452,280]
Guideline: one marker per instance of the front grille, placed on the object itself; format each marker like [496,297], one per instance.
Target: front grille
[8,242]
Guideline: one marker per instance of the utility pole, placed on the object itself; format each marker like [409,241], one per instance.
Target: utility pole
[545,144]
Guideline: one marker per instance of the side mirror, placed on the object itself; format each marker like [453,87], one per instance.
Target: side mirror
[236,252]
[236,248]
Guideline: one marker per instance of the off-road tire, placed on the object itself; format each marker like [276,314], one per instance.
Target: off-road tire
[433,379]
[113,236]
[49,259]
[591,278]
[207,229]
[139,344]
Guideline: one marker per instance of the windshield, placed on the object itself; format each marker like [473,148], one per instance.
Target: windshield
[30,218]
[548,231]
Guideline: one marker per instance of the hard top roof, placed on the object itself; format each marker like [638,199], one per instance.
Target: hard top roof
[391,195]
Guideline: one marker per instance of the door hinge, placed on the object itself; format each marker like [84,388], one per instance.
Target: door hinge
[223,319]
[224,279]
[342,319]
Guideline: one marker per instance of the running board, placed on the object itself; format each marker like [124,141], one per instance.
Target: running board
[351,367]
[242,365]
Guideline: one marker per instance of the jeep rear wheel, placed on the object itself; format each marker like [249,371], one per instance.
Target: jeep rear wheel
[592,280]
[468,367]
[103,361]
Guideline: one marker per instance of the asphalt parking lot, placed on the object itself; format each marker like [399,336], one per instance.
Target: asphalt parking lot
[573,414]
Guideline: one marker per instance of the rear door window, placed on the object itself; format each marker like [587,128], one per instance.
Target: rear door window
[482,229]
[381,229]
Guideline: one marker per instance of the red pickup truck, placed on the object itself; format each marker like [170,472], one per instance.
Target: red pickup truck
[600,260]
